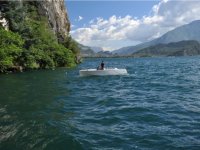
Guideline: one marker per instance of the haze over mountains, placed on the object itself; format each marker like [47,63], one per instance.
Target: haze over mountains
[97,49]
[179,42]
[87,51]
[183,33]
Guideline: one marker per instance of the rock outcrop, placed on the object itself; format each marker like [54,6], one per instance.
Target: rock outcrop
[37,36]
[57,16]
[4,22]
[54,10]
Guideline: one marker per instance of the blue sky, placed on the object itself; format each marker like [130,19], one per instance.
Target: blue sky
[90,10]
[115,24]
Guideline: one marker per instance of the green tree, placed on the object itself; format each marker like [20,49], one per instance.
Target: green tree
[11,47]
[34,45]
[71,44]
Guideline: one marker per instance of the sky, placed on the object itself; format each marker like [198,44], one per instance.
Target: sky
[115,24]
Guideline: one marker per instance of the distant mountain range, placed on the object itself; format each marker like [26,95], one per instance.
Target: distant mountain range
[97,49]
[183,33]
[86,51]
[182,48]
[181,41]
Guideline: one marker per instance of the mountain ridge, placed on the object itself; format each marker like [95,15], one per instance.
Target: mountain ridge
[181,48]
[189,31]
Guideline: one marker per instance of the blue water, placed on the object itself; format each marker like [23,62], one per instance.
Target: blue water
[156,106]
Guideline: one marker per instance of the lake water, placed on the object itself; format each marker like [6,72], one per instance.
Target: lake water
[156,106]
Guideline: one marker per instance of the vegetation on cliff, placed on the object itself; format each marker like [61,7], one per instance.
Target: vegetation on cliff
[11,47]
[30,42]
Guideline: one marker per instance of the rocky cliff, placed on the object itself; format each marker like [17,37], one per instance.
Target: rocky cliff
[54,10]
[37,35]
[56,13]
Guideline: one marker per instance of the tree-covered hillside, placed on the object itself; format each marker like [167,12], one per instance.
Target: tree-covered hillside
[30,42]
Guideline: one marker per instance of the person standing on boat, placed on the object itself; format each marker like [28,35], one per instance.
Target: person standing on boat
[102,65]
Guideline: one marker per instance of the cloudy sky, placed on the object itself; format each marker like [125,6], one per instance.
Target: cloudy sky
[115,24]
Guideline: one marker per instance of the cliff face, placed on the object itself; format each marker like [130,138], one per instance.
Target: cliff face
[54,10]
[37,36]
[56,13]
[3,21]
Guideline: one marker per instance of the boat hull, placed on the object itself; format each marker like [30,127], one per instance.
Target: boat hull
[105,72]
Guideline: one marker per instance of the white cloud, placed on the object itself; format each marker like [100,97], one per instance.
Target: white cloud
[80,18]
[165,16]
[73,26]
[115,28]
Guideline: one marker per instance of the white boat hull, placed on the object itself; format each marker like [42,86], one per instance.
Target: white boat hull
[105,72]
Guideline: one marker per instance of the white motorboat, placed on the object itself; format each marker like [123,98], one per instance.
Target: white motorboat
[104,72]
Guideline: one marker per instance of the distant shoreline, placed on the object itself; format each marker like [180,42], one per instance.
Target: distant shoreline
[144,56]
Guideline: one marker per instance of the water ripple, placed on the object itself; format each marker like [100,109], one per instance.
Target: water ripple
[156,106]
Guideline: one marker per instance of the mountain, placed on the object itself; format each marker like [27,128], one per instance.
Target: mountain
[189,31]
[97,49]
[182,48]
[86,51]
[104,54]
[35,35]
[126,51]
